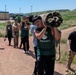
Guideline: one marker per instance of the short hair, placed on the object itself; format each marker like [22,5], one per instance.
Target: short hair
[36,18]
[24,18]
[8,21]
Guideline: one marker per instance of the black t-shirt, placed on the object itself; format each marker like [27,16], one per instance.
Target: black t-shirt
[72,37]
[46,45]
[24,30]
[9,29]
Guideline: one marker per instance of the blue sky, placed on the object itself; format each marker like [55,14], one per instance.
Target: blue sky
[26,6]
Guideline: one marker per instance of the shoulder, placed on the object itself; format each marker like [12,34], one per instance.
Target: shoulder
[13,24]
[39,29]
[72,33]
[49,29]
[33,26]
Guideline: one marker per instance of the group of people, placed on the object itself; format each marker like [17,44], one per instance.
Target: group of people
[12,31]
[44,39]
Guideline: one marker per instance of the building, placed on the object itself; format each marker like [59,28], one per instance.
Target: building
[4,15]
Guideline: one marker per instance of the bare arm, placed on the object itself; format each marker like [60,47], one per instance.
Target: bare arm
[20,25]
[12,28]
[40,34]
[56,33]
[6,31]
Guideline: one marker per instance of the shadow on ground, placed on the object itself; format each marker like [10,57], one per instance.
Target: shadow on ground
[57,73]
[2,48]
[31,54]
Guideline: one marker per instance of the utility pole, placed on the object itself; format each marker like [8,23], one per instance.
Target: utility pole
[5,8]
[31,9]
[5,13]
[19,10]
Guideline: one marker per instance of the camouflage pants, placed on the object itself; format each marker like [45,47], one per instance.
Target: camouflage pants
[16,36]
[70,58]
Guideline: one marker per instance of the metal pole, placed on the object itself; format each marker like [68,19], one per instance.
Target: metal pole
[5,13]
[31,10]
[19,10]
[5,8]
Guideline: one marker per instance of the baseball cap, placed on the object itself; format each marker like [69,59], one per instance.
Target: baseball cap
[36,18]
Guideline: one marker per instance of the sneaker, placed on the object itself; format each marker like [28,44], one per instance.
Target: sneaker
[14,46]
[24,52]
[9,44]
[27,52]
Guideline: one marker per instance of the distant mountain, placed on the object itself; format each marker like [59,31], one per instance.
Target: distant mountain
[38,13]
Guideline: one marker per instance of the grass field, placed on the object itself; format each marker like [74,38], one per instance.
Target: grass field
[2,29]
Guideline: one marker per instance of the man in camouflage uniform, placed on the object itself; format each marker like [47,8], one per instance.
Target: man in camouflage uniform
[16,33]
[71,48]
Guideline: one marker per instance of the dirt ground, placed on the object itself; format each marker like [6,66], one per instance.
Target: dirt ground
[14,61]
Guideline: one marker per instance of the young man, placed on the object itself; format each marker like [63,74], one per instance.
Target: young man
[16,33]
[24,27]
[8,32]
[71,47]
[46,37]
[32,29]
[24,19]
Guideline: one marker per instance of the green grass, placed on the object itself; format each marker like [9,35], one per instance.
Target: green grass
[69,73]
[69,19]
[2,29]
[64,41]
[74,60]
[64,57]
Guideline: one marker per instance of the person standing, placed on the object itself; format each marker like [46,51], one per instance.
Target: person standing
[32,29]
[8,32]
[21,43]
[71,48]
[24,27]
[46,37]
[16,33]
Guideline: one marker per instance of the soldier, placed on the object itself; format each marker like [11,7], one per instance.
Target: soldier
[71,48]
[16,33]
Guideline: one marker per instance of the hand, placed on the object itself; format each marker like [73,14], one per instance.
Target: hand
[45,26]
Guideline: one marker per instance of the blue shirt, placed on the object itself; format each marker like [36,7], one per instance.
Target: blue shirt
[32,29]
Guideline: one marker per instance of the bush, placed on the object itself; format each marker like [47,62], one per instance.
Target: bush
[69,73]
[1,34]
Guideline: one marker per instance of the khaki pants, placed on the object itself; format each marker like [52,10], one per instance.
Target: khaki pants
[70,58]
[16,36]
